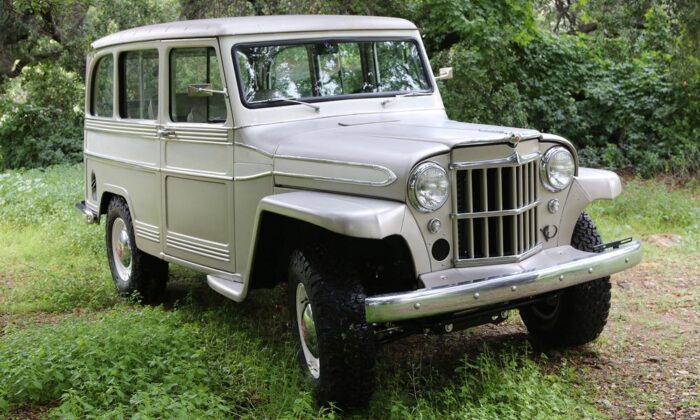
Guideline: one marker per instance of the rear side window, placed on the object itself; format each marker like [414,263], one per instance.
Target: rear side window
[138,85]
[192,68]
[102,104]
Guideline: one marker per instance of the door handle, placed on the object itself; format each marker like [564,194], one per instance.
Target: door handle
[166,132]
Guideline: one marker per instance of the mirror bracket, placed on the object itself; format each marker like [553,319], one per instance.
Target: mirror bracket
[445,73]
[204,89]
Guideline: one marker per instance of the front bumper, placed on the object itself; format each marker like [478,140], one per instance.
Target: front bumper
[458,289]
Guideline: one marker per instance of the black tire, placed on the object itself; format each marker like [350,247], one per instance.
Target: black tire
[345,342]
[577,315]
[141,273]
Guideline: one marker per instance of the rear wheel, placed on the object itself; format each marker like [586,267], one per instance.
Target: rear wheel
[132,270]
[578,314]
[335,344]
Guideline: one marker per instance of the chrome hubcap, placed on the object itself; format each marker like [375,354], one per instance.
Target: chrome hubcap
[307,331]
[121,249]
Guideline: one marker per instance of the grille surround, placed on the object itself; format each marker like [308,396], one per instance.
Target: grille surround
[495,209]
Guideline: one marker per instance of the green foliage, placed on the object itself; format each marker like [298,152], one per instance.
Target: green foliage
[41,118]
[618,99]
[39,228]
[144,362]
[507,385]
[627,91]
[647,207]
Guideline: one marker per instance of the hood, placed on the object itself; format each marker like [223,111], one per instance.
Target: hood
[371,156]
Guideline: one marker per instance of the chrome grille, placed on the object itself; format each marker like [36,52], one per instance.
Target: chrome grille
[495,211]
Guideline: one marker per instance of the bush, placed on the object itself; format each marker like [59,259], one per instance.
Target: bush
[42,113]
[619,102]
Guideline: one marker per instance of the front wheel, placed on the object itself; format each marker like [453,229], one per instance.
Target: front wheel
[578,314]
[132,269]
[334,342]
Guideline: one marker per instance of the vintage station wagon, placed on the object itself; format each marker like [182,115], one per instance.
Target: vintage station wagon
[315,151]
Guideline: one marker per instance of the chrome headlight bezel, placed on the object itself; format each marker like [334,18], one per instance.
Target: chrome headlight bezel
[550,182]
[416,198]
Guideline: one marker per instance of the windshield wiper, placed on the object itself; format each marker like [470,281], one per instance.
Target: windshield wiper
[291,100]
[405,95]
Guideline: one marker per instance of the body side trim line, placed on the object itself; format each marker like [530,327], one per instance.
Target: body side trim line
[391,176]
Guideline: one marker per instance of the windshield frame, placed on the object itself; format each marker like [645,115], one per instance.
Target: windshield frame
[301,41]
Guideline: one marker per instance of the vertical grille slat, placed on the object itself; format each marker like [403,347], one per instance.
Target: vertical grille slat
[482,192]
[471,239]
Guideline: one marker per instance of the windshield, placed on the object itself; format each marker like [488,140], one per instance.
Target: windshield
[326,69]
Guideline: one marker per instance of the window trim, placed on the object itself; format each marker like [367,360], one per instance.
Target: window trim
[301,41]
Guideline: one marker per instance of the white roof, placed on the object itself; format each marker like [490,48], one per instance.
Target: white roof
[252,25]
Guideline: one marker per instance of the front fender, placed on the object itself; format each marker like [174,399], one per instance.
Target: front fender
[357,217]
[598,184]
[588,186]
[350,216]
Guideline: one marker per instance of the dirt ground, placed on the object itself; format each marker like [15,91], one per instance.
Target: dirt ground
[645,365]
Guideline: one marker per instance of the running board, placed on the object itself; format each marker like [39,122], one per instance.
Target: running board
[231,289]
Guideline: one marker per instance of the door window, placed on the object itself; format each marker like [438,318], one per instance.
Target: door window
[194,73]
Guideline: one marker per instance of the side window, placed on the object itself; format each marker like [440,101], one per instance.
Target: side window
[102,102]
[191,68]
[138,84]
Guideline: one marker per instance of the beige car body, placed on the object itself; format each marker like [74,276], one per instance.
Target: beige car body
[198,193]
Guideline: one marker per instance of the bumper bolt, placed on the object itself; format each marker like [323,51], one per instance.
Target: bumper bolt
[476,295]
[561,277]
[514,288]
[417,305]
[590,270]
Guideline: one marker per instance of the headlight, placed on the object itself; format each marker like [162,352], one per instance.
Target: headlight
[428,187]
[558,168]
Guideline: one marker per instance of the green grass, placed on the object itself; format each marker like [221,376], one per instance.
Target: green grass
[649,207]
[51,260]
[72,347]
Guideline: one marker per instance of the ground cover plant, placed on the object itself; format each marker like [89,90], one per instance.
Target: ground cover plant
[71,348]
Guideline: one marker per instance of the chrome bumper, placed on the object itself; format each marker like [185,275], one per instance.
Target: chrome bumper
[457,290]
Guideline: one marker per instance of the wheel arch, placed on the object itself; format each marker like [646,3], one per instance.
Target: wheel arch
[109,192]
[369,229]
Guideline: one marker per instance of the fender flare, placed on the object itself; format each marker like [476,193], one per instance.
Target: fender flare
[588,186]
[357,217]
[115,190]
[598,184]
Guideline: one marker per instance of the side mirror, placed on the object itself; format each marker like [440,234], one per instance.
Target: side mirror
[445,73]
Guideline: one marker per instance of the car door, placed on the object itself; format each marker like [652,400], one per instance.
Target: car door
[197,157]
